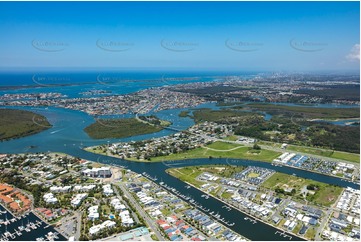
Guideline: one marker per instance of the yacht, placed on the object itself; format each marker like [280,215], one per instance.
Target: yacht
[18,233]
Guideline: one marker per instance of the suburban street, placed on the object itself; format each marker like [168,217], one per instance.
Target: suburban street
[142,213]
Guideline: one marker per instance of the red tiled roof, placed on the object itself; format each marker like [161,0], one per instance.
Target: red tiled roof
[6,199]
[14,206]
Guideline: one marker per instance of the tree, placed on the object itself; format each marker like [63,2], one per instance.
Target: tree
[312,187]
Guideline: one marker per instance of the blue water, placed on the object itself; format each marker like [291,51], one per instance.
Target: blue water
[67,136]
[116,82]
[343,122]
[26,236]
[319,105]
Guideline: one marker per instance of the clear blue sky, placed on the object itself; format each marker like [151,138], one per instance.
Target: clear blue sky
[269,36]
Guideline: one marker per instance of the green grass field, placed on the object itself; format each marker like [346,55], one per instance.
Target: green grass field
[105,209]
[326,153]
[241,153]
[187,174]
[311,233]
[231,138]
[218,145]
[226,195]
[317,151]
[253,175]
[190,173]
[326,195]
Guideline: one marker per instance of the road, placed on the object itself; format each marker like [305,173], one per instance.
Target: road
[78,225]
[268,147]
[134,215]
[142,213]
[323,223]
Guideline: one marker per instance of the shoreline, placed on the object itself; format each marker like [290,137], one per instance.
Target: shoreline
[3,205]
[140,161]
[335,120]
[200,209]
[47,224]
[238,209]
[316,172]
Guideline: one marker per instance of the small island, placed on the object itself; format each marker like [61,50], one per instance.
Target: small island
[19,123]
[126,127]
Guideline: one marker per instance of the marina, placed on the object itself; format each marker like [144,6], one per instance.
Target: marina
[149,176]
[26,227]
[228,208]
[155,171]
[250,220]
[283,234]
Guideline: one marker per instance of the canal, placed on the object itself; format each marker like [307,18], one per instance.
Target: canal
[67,136]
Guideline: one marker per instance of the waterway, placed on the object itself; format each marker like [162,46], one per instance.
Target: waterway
[41,230]
[67,136]
[246,228]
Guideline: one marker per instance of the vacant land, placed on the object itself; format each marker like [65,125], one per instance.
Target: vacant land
[325,194]
[316,151]
[19,123]
[309,112]
[231,138]
[218,150]
[120,128]
[218,145]
[327,153]
[190,173]
[187,174]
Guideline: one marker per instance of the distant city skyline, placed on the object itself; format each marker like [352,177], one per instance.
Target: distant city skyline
[208,36]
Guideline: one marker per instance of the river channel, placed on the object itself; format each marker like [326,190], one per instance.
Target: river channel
[67,136]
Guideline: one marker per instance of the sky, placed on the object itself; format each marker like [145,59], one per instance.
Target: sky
[235,36]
